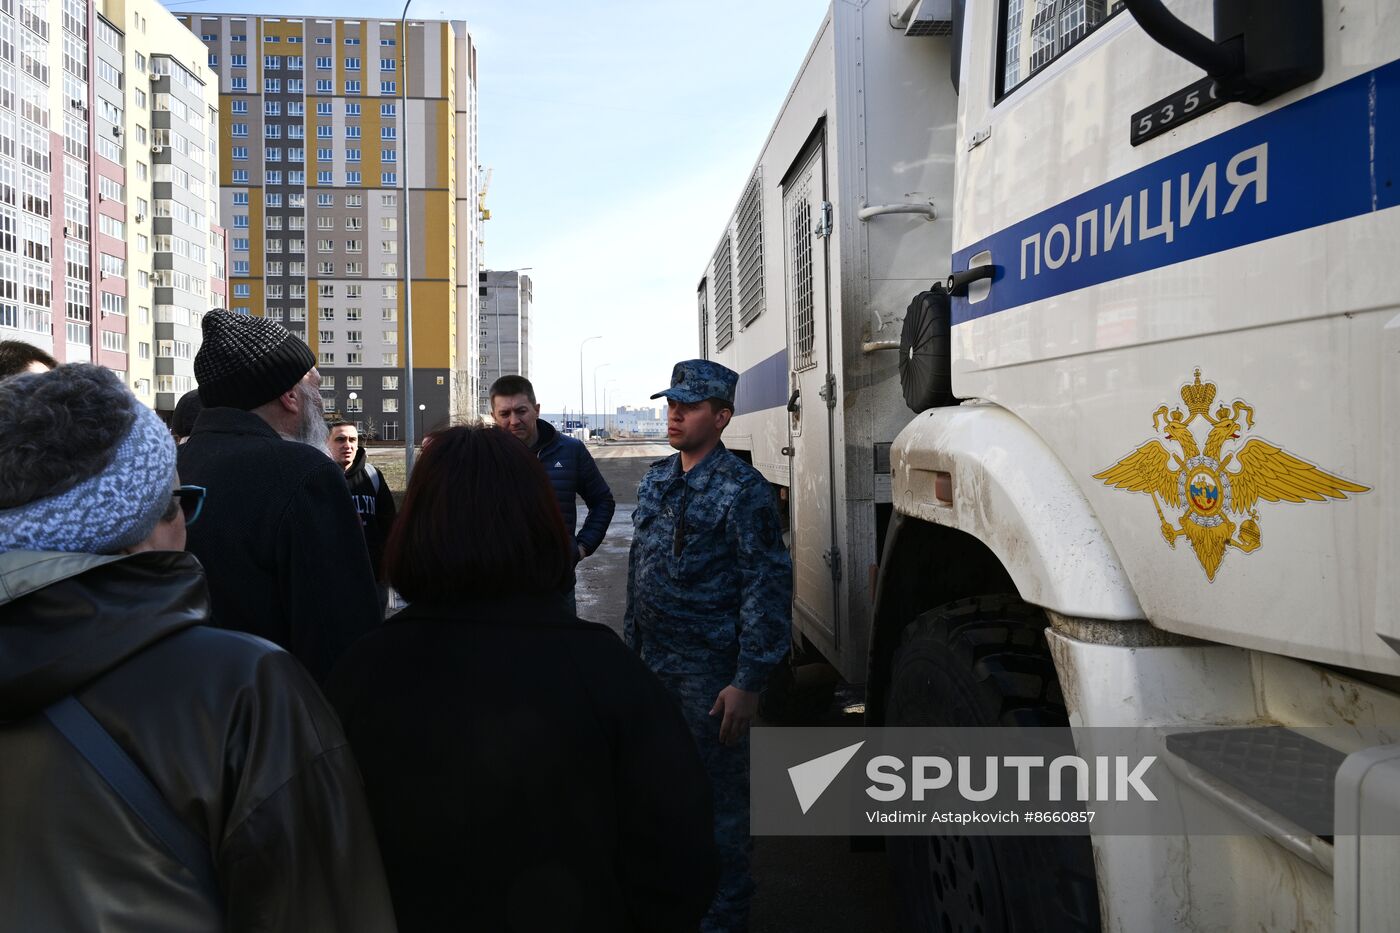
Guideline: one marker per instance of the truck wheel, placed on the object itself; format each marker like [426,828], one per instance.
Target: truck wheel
[985,662]
[925,351]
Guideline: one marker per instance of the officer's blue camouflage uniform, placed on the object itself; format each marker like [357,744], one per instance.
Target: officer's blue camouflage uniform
[709,603]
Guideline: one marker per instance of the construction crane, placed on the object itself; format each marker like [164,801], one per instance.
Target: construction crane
[481,208]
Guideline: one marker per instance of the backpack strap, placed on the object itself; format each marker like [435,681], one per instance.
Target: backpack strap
[125,778]
[373,475]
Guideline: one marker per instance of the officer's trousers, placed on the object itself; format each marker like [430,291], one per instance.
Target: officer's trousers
[728,769]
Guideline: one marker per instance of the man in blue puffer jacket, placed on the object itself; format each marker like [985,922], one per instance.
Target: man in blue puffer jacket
[571,469]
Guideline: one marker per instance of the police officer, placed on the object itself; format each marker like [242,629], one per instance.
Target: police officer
[709,602]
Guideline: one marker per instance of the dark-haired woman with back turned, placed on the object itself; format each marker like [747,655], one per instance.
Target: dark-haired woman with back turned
[524,769]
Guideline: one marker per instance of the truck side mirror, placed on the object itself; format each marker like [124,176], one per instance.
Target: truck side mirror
[1261,48]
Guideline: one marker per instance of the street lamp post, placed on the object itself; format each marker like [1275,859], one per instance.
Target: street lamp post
[595,389]
[583,402]
[607,410]
[407,239]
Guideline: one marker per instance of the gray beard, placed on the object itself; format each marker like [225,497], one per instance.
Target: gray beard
[312,431]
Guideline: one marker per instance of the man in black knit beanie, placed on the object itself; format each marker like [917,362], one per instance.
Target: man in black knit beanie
[278,522]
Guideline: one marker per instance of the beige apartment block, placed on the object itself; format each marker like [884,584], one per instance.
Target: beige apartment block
[101,239]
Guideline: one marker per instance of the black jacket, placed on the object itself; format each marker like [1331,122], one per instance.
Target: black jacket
[525,772]
[279,538]
[375,505]
[229,728]
[572,473]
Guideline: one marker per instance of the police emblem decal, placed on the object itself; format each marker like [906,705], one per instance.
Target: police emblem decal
[1200,481]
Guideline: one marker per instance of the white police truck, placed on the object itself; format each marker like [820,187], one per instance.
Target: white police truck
[1134,268]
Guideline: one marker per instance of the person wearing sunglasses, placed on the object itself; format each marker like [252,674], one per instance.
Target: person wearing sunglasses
[156,774]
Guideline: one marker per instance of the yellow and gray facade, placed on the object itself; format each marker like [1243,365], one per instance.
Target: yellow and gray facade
[315,150]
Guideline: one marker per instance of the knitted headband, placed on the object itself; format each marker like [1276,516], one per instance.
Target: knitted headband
[109,511]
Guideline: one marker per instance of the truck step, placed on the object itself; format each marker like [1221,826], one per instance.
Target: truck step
[1285,771]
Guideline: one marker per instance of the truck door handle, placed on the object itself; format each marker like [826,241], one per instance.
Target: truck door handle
[959,281]
[792,400]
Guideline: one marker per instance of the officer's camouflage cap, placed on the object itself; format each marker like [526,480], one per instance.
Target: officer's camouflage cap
[696,380]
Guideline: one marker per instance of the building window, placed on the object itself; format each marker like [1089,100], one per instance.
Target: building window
[239,106]
[388,87]
[352,64]
[388,178]
[390,405]
[323,178]
[388,64]
[352,178]
[389,383]
[328,359]
[352,87]
[240,176]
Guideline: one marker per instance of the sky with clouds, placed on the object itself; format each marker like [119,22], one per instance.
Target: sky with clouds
[620,134]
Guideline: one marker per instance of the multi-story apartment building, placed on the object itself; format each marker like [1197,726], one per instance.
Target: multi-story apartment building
[317,150]
[505,329]
[88,269]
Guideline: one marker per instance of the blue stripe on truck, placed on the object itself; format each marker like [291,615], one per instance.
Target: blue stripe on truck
[763,385]
[1331,156]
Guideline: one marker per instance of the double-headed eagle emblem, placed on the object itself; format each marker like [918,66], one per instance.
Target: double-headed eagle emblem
[1201,482]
